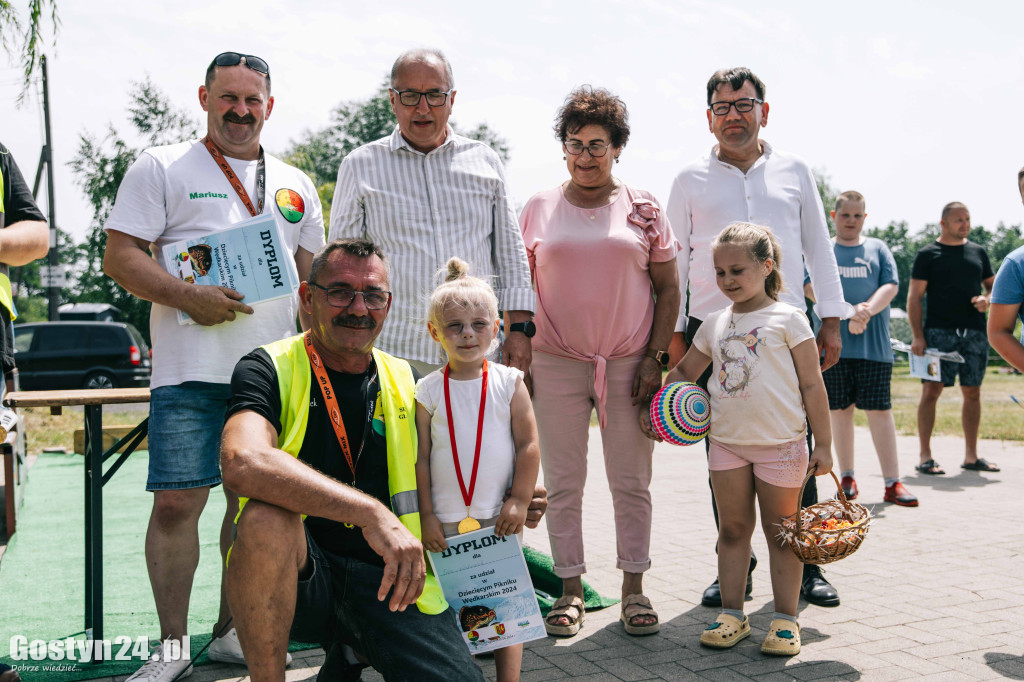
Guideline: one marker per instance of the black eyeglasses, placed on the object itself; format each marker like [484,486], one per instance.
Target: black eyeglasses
[743,106]
[235,58]
[411,98]
[342,298]
[596,150]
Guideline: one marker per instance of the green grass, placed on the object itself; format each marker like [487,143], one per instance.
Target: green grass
[1001,418]
[44,431]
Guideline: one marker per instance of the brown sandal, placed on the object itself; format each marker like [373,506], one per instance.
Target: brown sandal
[635,606]
[569,607]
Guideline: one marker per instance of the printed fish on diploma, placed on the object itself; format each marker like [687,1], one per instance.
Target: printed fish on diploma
[486,581]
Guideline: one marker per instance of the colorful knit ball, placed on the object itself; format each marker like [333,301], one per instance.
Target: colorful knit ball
[681,413]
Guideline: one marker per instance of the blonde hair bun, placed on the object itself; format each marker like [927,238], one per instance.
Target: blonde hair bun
[456,268]
[460,288]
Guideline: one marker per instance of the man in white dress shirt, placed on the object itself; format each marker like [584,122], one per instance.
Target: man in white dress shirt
[425,194]
[744,179]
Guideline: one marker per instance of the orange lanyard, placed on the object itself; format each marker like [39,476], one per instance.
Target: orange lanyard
[330,402]
[467,496]
[261,178]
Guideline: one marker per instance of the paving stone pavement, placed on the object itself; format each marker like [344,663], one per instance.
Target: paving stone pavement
[935,593]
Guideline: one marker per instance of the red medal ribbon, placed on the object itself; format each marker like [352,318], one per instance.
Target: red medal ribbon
[467,497]
[331,403]
[261,175]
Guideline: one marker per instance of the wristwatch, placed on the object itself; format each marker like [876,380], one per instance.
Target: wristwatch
[528,328]
[659,356]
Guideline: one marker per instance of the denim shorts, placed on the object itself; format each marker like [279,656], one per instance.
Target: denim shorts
[185,425]
[970,343]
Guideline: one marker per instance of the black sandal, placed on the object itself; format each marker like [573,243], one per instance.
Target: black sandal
[979,465]
[931,468]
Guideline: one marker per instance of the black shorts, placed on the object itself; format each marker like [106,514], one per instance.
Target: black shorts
[970,343]
[864,383]
[337,601]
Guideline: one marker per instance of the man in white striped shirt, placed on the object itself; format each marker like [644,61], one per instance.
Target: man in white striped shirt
[425,194]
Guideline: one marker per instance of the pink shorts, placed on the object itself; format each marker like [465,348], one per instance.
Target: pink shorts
[782,465]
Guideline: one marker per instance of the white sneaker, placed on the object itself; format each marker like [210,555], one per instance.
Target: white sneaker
[227,649]
[162,667]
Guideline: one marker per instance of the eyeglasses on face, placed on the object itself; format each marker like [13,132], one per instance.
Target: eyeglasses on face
[596,149]
[411,98]
[339,297]
[743,106]
[235,58]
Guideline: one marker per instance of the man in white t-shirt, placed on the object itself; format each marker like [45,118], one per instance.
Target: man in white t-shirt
[178,192]
[744,179]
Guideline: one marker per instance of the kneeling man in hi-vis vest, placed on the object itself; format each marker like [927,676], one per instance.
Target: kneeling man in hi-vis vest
[320,445]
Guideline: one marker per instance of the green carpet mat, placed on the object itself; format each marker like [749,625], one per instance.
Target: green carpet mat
[548,586]
[42,585]
[42,573]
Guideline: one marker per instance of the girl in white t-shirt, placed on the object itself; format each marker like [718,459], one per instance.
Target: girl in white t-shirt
[462,477]
[765,385]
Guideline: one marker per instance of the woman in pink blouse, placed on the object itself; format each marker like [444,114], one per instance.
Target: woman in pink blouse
[603,260]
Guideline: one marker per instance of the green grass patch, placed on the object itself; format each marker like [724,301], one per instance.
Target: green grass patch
[1001,418]
[44,431]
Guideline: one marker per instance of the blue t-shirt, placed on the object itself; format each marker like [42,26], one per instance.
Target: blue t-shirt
[862,270]
[1008,288]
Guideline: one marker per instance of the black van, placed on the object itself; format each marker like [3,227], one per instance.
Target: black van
[62,355]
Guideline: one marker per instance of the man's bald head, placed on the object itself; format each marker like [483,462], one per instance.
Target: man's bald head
[423,55]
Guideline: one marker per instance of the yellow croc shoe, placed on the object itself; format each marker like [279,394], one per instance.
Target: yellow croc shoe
[783,638]
[725,632]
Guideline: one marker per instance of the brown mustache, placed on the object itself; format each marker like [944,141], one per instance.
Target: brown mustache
[354,321]
[232,117]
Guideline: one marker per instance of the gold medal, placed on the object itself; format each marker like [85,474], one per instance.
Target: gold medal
[468,525]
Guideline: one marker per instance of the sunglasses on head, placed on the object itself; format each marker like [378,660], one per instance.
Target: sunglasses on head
[235,58]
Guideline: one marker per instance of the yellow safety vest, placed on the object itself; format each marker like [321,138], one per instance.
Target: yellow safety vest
[398,404]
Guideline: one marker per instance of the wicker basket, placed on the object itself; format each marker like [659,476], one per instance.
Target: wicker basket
[815,545]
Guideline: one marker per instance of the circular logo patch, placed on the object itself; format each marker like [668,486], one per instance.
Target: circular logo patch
[290,204]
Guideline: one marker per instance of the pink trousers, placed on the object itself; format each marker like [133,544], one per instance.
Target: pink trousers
[563,398]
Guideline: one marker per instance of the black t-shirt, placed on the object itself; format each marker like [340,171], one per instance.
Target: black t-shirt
[17,205]
[254,387]
[954,275]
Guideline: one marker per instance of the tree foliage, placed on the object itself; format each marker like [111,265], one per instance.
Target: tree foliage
[353,124]
[25,38]
[99,166]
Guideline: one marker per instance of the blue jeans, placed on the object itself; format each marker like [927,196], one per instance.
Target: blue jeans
[185,425]
[337,601]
